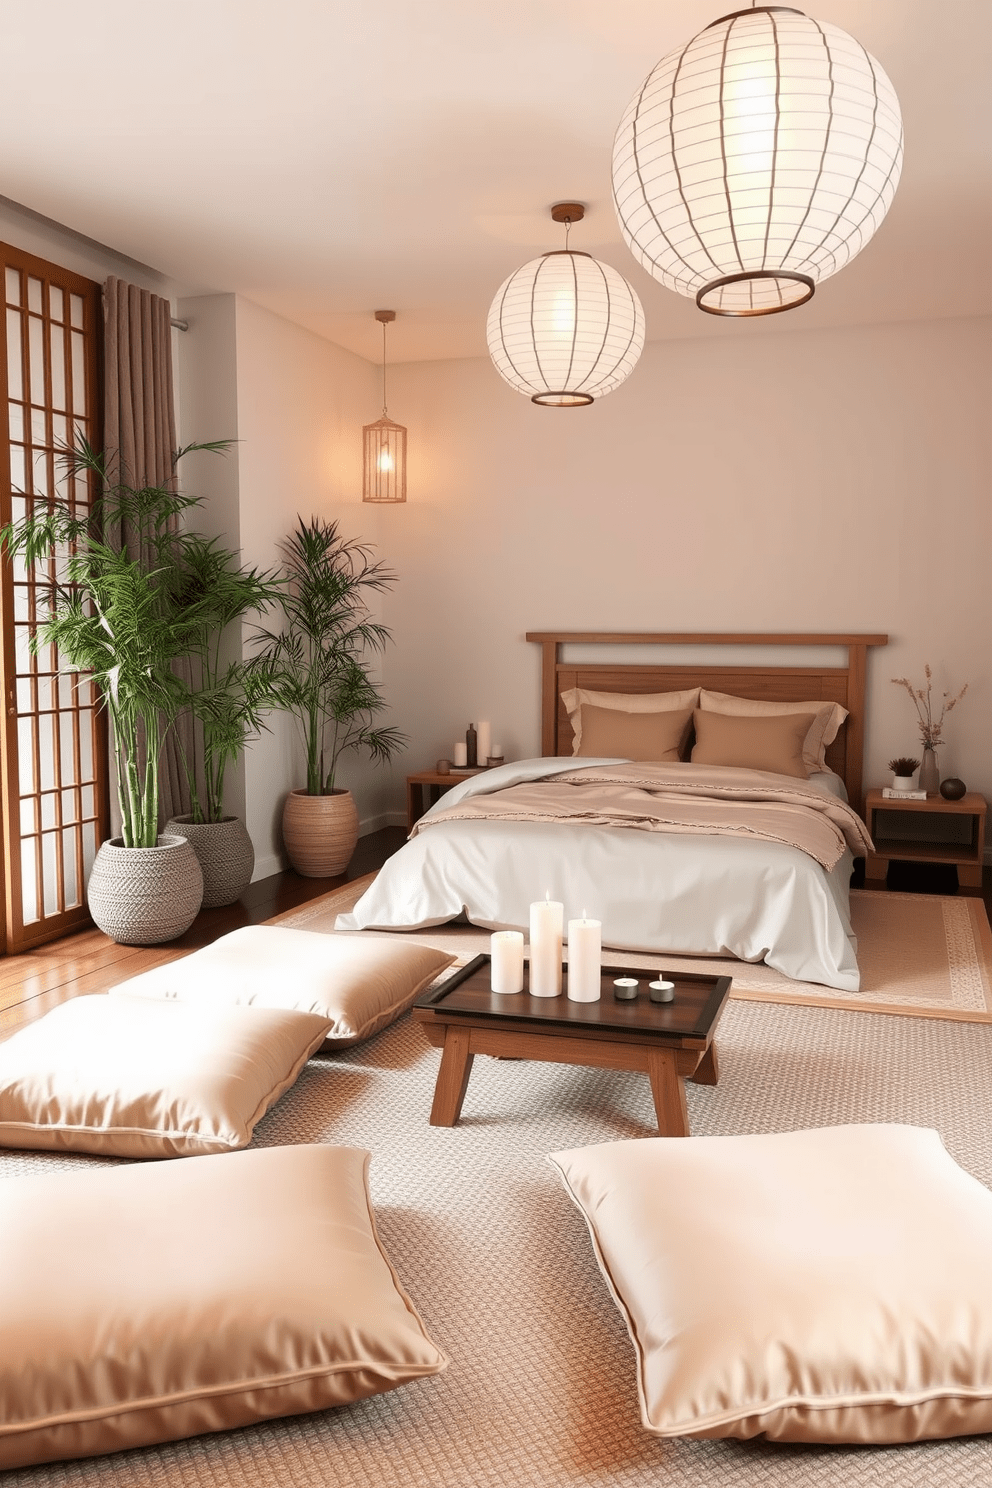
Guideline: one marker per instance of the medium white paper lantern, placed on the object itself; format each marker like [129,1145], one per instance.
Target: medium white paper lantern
[565,329]
[757,161]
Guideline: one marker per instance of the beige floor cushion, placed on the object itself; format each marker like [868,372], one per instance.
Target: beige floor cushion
[820,1286]
[150,1302]
[136,1078]
[360,983]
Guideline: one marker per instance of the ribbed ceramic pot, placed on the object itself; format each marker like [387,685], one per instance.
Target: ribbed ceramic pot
[320,832]
[224,852]
[145,895]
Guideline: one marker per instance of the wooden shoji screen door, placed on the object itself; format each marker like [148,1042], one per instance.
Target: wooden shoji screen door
[53,750]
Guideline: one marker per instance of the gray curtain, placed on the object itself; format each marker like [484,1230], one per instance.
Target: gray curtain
[139,438]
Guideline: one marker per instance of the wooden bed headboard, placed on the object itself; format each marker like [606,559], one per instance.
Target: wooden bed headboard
[778,684]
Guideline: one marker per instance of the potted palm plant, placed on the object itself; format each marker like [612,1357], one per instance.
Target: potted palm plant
[226,698]
[318,670]
[107,577]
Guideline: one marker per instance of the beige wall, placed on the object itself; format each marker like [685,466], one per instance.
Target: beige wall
[820,481]
[301,405]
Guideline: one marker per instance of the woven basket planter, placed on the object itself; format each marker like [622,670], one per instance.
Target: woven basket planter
[224,852]
[320,832]
[145,895]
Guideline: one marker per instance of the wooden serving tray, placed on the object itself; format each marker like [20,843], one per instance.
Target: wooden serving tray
[697,1005]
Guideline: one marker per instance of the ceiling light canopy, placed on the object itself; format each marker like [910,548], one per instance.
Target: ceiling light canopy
[757,160]
[565,329]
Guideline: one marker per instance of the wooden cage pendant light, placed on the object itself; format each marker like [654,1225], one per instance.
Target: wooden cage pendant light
[757,160]
[384,461]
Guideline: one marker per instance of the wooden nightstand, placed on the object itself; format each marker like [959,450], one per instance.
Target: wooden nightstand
[424,788]
[898,838]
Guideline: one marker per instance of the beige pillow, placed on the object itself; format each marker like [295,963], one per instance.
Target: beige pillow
[609,732]
[149,1303]
[823,730]
[359,982]
[577,698]
[774,744]
[816,1286]
[136,1078]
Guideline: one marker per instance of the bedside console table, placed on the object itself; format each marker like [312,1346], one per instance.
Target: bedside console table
[427,786]
[909,846]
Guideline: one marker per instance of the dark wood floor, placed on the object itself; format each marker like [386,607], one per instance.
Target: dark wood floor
[34,982]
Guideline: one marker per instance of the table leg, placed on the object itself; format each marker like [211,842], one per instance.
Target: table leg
[452,1077]
[707,1071]
[668,1090]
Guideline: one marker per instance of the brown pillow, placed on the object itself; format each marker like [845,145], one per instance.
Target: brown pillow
[774,744]
[152,1302]
[576,699]
[360,983]
[134,1078]
[637,736]
[812,1286]
[823,730]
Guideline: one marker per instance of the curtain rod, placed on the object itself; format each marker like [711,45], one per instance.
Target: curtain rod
[180,325]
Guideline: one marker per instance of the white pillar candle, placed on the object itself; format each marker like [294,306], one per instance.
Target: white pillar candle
[546,921]
[585,952]
[506,947]
[461,755]
[484,747]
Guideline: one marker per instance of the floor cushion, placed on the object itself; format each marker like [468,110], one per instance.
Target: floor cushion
[135,1078]
[148,1302]
[360,983]
[818,1286]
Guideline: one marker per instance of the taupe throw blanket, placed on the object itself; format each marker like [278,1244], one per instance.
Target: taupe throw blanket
[708,799]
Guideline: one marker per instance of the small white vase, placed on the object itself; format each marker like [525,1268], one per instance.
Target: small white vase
[902,782]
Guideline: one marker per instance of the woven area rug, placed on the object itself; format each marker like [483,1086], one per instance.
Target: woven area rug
[921,955]
[540,1392]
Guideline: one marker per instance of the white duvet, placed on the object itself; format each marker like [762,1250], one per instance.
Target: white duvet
[687,895]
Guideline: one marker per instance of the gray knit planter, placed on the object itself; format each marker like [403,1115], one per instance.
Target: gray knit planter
[144,895]
[225,854]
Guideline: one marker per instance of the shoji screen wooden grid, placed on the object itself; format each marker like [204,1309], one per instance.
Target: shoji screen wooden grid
[54,775]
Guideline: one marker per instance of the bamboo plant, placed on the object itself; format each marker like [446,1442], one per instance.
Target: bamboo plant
[113,615]
[317,668]
[227,698]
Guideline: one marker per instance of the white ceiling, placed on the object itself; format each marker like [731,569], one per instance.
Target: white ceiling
[327,157]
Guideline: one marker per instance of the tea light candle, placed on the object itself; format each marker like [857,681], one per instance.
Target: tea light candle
[625,989]
[506,948]
[661,991]
[585,949]
[484,747]
[546,921]
[461,755]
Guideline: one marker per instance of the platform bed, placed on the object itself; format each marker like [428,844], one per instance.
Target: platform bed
[682,894]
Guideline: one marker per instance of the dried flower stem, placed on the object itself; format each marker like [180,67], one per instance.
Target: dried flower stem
[930,731]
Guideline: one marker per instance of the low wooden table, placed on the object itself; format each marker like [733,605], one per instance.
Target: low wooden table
[670,1042]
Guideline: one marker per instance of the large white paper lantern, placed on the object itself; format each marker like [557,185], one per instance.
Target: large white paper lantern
[565,329]
[757,160]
